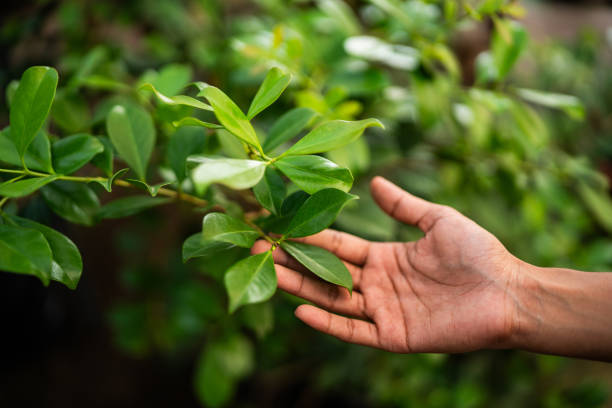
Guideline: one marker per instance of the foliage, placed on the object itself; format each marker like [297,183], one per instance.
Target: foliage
[501,149]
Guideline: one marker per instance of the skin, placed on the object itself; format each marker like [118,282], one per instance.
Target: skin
[455,290]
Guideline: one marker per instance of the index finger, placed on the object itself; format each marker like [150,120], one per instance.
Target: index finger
[346,246]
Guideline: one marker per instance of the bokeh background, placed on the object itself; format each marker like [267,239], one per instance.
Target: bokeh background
[144,329]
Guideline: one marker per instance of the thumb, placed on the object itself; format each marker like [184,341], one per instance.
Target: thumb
[403,206]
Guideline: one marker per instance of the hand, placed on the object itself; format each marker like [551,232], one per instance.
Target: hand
[451,291]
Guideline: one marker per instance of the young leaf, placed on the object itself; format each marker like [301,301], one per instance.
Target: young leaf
[178,99]
[330,135]
[31,105]
[67,264]
[229,114]
[70,112]
[153,190]
[108,183]
[322,263]
[73,152]
[131,130]
[318,212]
[314,173]
[270,191]
[235,173]
[24,187]
[222,227]
[37,157]
[185,142]
[126,206]
[287,127]
[73,201]
[272,87]
[196,246]
[171,78]
[195,122]
[251,280]
[26,251]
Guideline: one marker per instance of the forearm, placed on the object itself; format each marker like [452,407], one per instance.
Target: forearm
[564,312]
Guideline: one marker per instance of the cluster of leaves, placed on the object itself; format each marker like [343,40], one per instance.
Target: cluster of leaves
[322,186]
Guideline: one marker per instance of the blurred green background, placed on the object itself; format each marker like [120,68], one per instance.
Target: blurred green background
[143,329]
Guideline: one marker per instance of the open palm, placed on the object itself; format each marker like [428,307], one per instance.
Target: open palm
[451,291]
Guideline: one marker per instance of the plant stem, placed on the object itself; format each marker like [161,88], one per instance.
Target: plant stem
[261,232]
[3,201]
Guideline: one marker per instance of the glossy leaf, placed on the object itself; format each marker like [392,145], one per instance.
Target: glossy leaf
[331,135]
[185,142]
[271,88]
[287,127]
[195,122]
[270,191]
[314,173]
[25,251]
[196,246]
[131,130]
[126,206]
[24,187]
[37,157]
[75,202]
[235,173]
[222,227]
[229,114]
[251,280]
[318,212]
[73,152]
[31,105]
[104,159]
[178,99]
[67,265]
[322,263]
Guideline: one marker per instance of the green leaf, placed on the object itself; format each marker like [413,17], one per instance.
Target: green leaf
[270,191]
[185,142]
[108,183]
[11,88]
[153,190]
[505,54]
[67,264]
[73,152]
[251,280]
[235,173]
[75,202]
[37,157]
[318,212]
[25,251]
[222,227]
[196,246]
[219,367]
[314,173]
[104,159]
[331,135]
[569,104]
[70,112]
[272,87]
[31,105]
[229,114]
[322,263]
[124,207]
[258,317]
[287,127]
[24,187]
[171,78]
[183,100]
[195,122]
[131,130]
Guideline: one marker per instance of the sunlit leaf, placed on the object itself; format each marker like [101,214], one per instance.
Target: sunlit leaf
[272,87]
[314,173]
[251,280]
[224,228]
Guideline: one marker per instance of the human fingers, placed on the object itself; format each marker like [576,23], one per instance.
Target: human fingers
[402,205]
[344,328]
[345,246]
[331,297]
